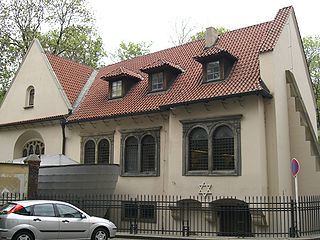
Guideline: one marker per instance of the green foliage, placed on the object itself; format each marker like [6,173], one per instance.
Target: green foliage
[312,50]
[71,33]
[202,34]
[130,50]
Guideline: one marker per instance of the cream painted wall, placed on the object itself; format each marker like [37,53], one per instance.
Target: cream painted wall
[253,180]
[49,99]
[287,55]
[51,135]
[308,177]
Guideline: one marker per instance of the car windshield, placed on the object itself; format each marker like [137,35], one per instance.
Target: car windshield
[6,208]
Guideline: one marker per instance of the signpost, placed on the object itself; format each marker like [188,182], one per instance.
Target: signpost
[295,168]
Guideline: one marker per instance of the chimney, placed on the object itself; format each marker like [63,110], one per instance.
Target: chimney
[211,36]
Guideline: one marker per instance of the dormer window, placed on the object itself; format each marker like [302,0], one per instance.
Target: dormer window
[217,64]
[116,89]
[121,80]
[157,81]
[213,71]
[161,74]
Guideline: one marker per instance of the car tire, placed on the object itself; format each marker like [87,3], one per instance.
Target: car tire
[100,234]
[23,235]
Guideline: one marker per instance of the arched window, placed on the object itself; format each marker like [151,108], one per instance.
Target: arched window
[223,149]
[33,147]
[30,97]
[89,152]
[198,149]
[148,154]
[103,151]
[131,155]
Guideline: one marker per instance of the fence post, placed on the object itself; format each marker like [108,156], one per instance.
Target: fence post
[33,162]
[293,211]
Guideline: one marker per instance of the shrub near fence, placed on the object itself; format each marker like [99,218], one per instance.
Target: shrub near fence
[277,217]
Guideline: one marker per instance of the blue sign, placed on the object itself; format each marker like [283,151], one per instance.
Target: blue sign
[295,167]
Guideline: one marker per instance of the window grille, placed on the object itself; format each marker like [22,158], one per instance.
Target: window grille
[139,211]
[148,149]
[89,152]
[198,149]
[223,149]
[103,151]
[33,147]
[131,155]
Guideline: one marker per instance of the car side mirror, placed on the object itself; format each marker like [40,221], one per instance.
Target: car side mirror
[83,216]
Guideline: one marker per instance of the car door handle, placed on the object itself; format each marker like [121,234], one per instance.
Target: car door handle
[37,220]
[65,221]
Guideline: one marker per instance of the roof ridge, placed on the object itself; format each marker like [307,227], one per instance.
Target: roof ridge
[275,29]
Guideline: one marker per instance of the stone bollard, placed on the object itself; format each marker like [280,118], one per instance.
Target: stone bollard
[33,162]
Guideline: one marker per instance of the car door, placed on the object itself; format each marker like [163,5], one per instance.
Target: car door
[45,221]
[72,223]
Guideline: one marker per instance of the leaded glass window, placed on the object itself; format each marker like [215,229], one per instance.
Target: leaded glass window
[33,147]
[103,151]
[223,149]
[89,152]
[198,149]
[148,154]
[116,90]
[131,155]
[212,146]
[140,153]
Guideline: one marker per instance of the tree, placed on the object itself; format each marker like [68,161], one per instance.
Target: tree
[72,33]
[183,32]
[312,50]
[130,50]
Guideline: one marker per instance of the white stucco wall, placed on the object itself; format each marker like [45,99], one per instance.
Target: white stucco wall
[51,136]
[281,143]
[48,100]
[253,179]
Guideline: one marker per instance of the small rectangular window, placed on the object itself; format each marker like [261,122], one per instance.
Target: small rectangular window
[157,81]
[139,211]
[116,90]
[213,71]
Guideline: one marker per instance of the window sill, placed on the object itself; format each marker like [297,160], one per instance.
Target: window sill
[213,173]
[150,174]
[28,107]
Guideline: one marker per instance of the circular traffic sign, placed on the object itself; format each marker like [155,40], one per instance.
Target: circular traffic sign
[295,167]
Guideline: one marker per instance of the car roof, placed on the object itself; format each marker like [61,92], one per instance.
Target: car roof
[33,202]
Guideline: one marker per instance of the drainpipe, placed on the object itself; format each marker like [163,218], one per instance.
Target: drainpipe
[63,127]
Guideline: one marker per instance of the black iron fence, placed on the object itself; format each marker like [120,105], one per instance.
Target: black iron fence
[277,217]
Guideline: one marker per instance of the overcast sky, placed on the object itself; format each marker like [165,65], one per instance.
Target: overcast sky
[154,21]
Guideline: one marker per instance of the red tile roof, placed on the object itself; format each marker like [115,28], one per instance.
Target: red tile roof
[71,75]
[159,64]
[121,72]
[245,43]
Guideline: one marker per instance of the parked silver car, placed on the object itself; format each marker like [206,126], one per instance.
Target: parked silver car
[41,219]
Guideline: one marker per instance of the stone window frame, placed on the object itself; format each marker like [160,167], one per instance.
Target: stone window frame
[210,125]
[139,134]
[97,139]
[30,96]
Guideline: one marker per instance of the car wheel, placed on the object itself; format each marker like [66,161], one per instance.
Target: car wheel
[23,235]
[100,234]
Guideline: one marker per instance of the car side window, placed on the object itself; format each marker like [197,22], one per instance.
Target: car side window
[44,210]
[67,211]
